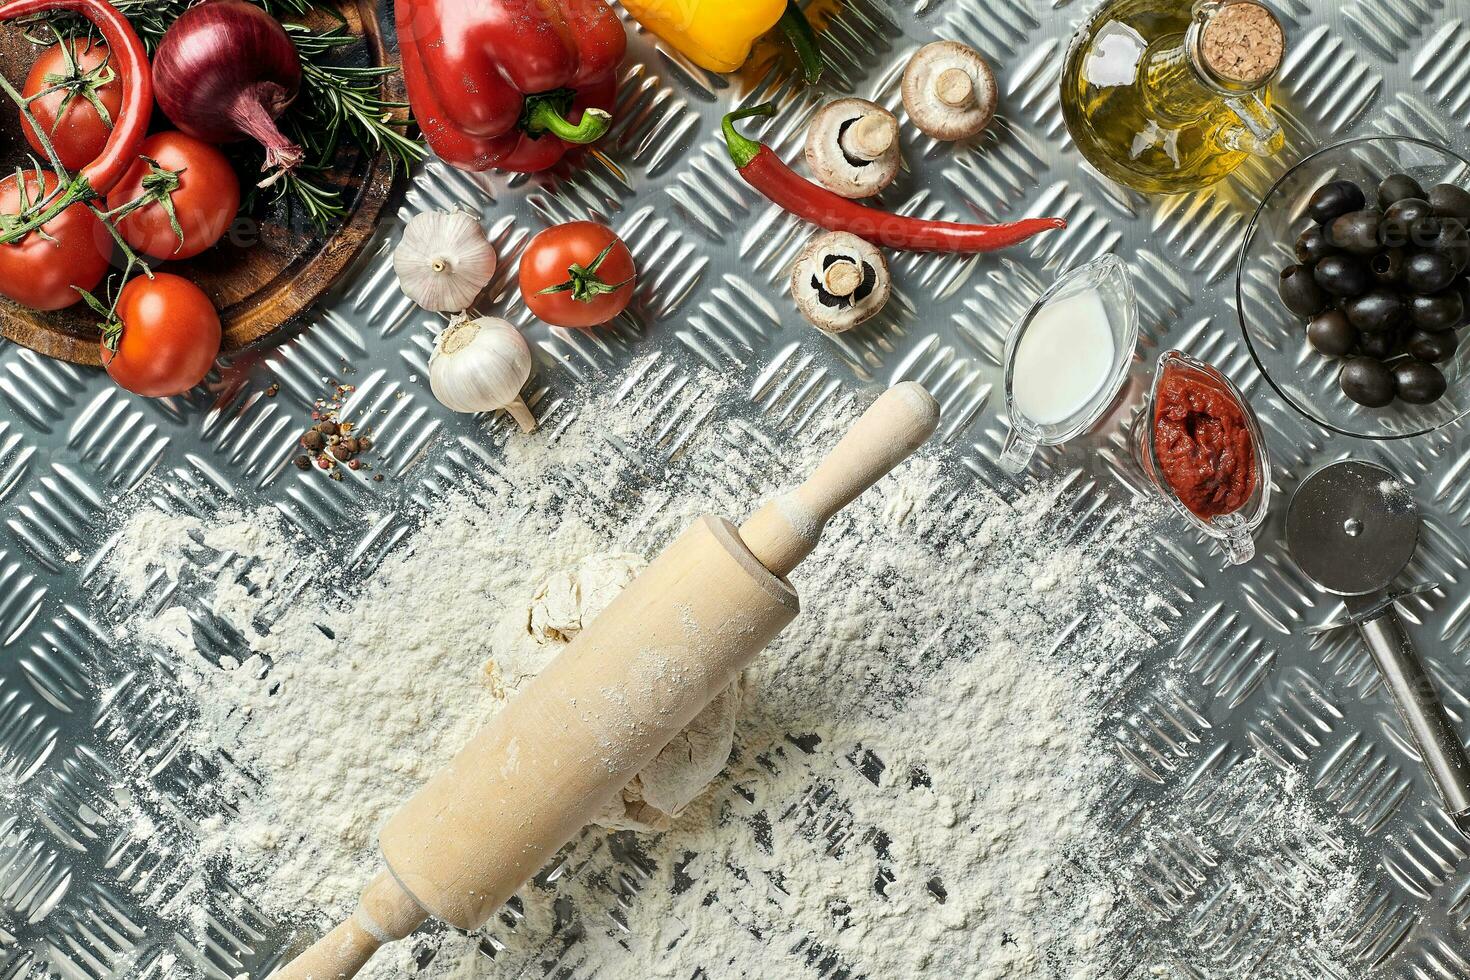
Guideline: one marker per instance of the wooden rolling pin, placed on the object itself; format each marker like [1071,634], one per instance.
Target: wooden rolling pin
[606,705]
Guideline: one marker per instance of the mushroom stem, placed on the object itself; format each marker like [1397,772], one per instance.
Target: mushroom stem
[842,278]
[955,88]
[871,136]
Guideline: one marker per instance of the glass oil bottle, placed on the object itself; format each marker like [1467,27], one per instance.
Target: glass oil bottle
[1166,99]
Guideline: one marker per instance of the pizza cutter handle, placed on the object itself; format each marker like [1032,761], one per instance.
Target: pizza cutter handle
[1419,705]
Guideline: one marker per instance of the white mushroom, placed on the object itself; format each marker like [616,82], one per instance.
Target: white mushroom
[852,147]
[839,281]
[949,91]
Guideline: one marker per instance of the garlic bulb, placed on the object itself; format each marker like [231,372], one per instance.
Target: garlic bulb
[443,260]
[479,366]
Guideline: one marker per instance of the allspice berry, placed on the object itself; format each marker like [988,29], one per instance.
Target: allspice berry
[313,440]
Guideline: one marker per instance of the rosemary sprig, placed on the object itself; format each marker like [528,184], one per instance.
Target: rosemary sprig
[337,97]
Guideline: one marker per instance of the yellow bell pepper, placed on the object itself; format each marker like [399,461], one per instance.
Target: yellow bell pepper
[719,34]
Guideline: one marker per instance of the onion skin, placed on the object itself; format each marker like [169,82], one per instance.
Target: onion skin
[225,71]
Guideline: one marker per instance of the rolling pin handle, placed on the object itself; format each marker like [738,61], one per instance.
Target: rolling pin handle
[785,530]
[386,914]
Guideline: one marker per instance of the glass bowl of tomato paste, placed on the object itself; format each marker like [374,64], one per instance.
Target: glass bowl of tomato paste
[1198,443]
[1305,378]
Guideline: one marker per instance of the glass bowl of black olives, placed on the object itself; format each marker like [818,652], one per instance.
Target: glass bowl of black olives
[1353,287]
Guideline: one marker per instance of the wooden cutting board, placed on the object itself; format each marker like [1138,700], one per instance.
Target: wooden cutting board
[272,266]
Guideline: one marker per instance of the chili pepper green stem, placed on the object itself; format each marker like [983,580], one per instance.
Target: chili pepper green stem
[743,149]
[803,41]
[543,116]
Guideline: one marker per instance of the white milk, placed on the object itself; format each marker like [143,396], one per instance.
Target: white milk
[1064,358]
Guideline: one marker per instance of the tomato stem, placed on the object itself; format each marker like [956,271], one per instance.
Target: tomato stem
[584,283]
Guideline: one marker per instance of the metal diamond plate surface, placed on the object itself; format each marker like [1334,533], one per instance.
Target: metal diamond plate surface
[77,884]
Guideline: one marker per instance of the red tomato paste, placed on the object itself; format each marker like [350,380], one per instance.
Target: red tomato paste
[1202,443]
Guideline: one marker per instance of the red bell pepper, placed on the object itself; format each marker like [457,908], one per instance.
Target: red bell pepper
[510,84]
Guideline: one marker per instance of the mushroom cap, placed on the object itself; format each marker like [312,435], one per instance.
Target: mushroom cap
[852,147]
[949,91]
[839,281]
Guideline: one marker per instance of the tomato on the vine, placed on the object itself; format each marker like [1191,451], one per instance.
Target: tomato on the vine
[199,182]
[78,115]
[165,337]
[578,274]
[45,269]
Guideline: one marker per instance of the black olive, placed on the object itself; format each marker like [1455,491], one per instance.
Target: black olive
[1382,345]
[1434,347]
[1453,242]
[1408,222]
[1367,381]
[1312,246]
[1343,275]
[1388,266]
[1419,382]
[1335,198]
[1300,292]
[1378,309]
[1428,272]
[1462,287]
[1330,333]
[1450,201]
[1396,187]
[1437,311]
[1356,232]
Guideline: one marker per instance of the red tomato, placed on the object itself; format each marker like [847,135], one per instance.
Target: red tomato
[566,279]
[39,271]
[205,202]
[68,116]
[170,336]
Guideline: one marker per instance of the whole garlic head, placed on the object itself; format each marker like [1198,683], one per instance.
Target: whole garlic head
[481,365]
[443,260]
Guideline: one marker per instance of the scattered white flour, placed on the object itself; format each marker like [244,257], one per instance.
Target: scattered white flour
[915,761]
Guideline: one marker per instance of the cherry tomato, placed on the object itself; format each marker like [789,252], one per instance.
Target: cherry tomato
[69,115]
[577,275]
[40,270]
[167,338]
[205,201]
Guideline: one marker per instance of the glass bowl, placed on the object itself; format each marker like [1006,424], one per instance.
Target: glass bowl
[1109,277]
[1233,532]
[1277,338]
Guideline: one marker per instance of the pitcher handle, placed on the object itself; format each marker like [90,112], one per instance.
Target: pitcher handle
[1259,131]
[1234,535]
[1016,455]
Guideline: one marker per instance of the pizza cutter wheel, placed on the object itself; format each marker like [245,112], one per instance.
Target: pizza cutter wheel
[1352,527]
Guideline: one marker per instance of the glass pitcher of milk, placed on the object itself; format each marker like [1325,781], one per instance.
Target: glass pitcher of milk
[1067,358]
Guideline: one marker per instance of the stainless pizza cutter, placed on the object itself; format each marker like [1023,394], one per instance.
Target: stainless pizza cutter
[1352,527]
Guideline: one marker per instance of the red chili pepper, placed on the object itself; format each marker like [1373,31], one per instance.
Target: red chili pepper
[765,171]
[511,84]
[131,61]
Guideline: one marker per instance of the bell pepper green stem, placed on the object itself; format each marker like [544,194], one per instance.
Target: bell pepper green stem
[803,41]
[544,116]
[743,149]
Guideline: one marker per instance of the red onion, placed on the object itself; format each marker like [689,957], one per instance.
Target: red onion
[225,71]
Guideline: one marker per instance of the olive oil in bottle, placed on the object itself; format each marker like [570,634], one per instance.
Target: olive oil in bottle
[1164,98]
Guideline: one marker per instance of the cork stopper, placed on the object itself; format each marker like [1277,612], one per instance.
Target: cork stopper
[1242,43]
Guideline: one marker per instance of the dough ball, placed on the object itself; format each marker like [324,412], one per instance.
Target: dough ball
[573,597]
[560,608]
[677,776]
